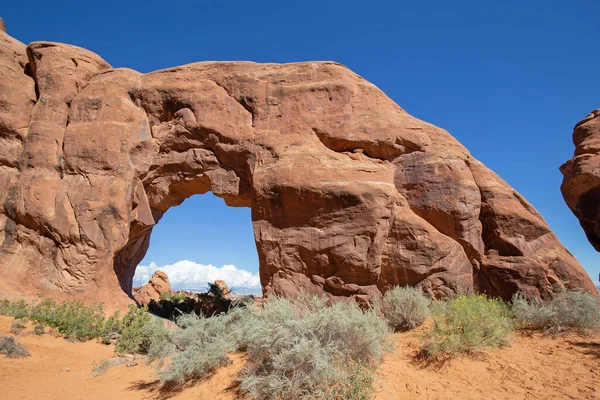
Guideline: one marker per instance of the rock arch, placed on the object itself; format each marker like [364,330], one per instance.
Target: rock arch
[349,194]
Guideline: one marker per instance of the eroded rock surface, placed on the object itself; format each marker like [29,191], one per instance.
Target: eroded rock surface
[581,177]
[156,286]
[350,195]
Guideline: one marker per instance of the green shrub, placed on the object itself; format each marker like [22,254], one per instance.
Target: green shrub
[139,329]
[72,319]
[568,310]
[468,323]
[404,308]
[17,309]
[76,321]
[303,348]
[176,297]
[11,348]
[17,326]
[39,329]
[165,296]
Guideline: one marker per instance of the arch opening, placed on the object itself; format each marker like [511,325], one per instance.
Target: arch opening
[196,242]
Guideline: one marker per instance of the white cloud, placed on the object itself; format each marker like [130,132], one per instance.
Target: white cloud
[190,275]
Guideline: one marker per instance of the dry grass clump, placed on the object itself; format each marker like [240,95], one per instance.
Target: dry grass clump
[569,310]
[107,363]
[11,348]
[466,324]
[17,326]
[39,329]
[404,308]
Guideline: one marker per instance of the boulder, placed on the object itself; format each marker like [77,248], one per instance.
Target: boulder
[350,195]
[224,288]
[158,284]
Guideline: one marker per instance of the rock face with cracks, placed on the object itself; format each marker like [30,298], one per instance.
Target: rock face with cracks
[350,195]
[581,177]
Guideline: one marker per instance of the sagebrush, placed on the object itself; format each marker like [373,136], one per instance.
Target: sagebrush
[466,324]
[303,348]
[568,310]
[196,350]
[297,348]
[404,308]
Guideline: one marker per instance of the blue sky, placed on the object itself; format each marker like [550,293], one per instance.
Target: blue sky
[508,79]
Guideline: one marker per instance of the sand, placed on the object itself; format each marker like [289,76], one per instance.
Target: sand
[59,369]
[534,367]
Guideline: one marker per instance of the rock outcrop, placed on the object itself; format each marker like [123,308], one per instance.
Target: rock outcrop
[222,285]
[581,177]
[350,194]
[156,286]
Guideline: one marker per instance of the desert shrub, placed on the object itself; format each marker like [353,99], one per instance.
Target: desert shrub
[404,308]
[199,348]
[113,324]
[17,309]
[568,310]
[4,307]
[176,297]
[171,310]
[212,302]
[11,348]
[165,296]
[39,329]
[358,384]
[305,349]
[299,348]
[72,319]
[138,331]
[468,323]
[17,326]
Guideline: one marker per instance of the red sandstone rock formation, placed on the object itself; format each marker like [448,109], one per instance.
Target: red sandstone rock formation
[224,288]
[157,285]
[350,194]
[581,177]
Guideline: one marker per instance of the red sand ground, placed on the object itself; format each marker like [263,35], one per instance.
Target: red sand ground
[534,367]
